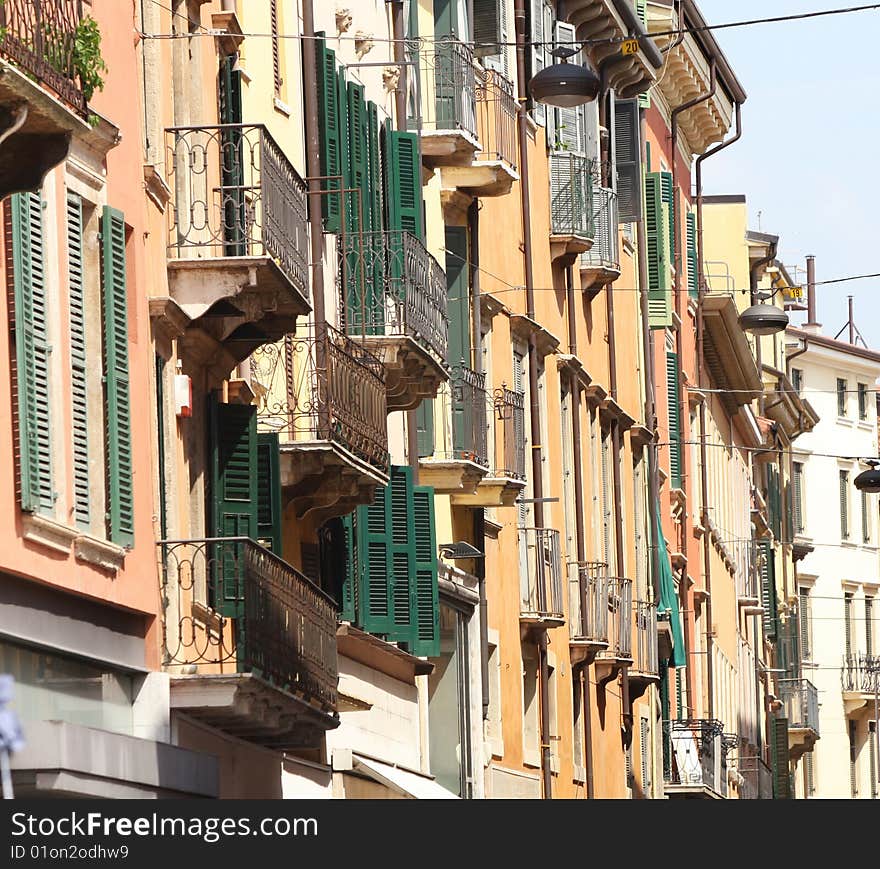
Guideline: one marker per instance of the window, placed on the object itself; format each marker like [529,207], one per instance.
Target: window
[577,724]
[853,759]
[673,399]
[805,618]
[863,401]
[798,496]
[531,703]
[848,624]
[809,774]
[841,397]
[872,755]
[640,524]
[797,380]
[843,482]
[866,517]
[494,727]
[645,755]
[608,546]
[869,625]
[276,47]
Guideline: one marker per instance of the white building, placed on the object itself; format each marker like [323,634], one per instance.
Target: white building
[838,577]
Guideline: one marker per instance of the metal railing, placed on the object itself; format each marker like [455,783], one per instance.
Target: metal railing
[465,402]
[496,114]
[696,757]
[620,609]
[801,701]
[748,570]
[860,673]
[237,195]
[39,36]
[510,425]
[232,606]
[571,195]
[448,78]
[588,604]
[319,384]
[391,285]
[646,657]
[541,584]
[605,252]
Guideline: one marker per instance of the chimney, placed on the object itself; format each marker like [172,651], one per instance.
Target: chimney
[811,325]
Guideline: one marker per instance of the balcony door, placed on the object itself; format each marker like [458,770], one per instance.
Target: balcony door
[232,190]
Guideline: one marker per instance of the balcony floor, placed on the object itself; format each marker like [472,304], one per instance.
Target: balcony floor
[453,147]
[451,476]
[491,492]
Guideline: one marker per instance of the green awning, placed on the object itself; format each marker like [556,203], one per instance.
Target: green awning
[668,598]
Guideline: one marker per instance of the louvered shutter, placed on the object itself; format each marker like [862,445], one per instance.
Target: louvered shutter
[117,399]
[329,131]
[374,203]
[269,519]
[78,392]
[866,529]
[403,555]
[673,398]
[669,210]
[843,485]
[233,499]
[642,12]
[32,351]
[425,427]
[426,627]
[276,46]
[693,275]
[659,300]
[779,750]
[798,494]
[853,759]
[567,126]
[374,529]
[607,551]
[869,626]
[787,513]
[232,164]
[536,53]
[804,621]
[458,295]
[644,751]
[488,27]
[404,183]
[768,588]
[628,160]
[352,579]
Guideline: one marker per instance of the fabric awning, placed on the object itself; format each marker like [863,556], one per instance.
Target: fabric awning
[668,598]
[411,784]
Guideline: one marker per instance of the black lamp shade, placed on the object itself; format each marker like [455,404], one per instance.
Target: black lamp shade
[565,85]
[763,319]
[868,481]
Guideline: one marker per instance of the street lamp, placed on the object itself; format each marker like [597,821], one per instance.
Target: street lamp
[869,481]
[565,84]
[763,319]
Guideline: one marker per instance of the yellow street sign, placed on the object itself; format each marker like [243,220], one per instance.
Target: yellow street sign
[793,292]
[629,46]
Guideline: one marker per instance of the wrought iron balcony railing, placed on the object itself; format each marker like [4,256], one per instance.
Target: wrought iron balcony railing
[496,114]
[696,756]
[39,36]
[447,76]
[510,433]
[262,616]
[620,609]
[645,659]
[860,673]
[801,701]
[540,574]
[465,403]
[589,602]
[391,285]
[571,195]
[604,253]
[237,195]
[321,385]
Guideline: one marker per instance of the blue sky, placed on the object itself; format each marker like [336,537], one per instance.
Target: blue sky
[808,160]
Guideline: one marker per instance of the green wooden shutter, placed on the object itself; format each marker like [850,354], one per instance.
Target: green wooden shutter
[780,756]
[374,531]
[426,635]
[329,132]
[233,498]
[403,554]
[693,274]
[117,400]
[804,621]
[798,495]
[352,580]
[843,485]
[269,518]
[488,27]
[673,397]
[458,296]
[669,212]
[768,589]
[78,395]
[425,427]
[656,228]
[232,169]
[32,350]
[403,185]
[628,160]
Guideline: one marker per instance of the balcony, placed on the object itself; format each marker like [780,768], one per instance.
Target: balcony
[695,762]
[859,678]
[748,578]
[588,605]
[324,395]
[394,295]
[249,641]
[601,263]
[540,578]
[492,169]
[238,250]
[618,654]
[42,103]
[460,459]
[800,700]
[572,228]
[645,669]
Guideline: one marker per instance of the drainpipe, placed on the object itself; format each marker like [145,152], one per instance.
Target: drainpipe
[519,15]
[583,670]
[684,409]
[753,286]
[704,477]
